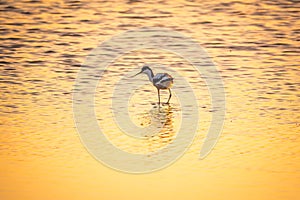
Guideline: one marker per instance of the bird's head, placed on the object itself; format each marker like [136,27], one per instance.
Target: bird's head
[145,70]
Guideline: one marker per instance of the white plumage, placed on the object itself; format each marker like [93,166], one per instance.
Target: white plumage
[161,81]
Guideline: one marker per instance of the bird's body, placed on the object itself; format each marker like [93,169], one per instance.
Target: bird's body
[162,81]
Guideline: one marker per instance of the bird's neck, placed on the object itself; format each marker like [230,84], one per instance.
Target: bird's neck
[150,75]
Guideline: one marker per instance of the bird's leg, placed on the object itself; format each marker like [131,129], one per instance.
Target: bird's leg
[169,96]
[158,96]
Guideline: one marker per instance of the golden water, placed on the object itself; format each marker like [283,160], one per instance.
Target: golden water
[255,45]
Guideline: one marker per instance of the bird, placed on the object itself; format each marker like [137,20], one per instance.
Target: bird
[162,81]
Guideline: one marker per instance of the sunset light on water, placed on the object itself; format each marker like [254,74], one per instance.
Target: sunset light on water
[254,45]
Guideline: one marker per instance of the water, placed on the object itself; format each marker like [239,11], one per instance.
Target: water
[255,45]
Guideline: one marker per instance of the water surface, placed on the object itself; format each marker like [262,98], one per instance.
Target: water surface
[255,45]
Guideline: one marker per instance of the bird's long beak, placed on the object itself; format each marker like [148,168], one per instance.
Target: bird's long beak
[136,74]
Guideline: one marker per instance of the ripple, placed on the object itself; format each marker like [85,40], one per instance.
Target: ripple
[255,46]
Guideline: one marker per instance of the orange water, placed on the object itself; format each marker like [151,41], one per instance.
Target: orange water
[255,45]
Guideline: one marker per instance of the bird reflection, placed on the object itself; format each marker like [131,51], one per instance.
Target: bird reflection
[163,117]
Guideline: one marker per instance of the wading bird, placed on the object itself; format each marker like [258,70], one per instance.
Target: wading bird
[162,81]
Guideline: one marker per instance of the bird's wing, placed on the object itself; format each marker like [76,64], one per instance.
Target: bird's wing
[161,77]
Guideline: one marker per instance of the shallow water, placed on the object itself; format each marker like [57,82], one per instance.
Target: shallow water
[255,45]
